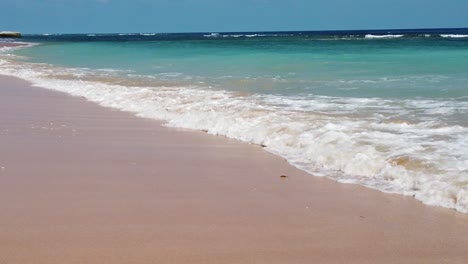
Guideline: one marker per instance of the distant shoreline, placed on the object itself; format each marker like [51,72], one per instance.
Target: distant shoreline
[10,34]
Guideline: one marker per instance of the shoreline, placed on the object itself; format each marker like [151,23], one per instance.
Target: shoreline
[377,165]
[84,183]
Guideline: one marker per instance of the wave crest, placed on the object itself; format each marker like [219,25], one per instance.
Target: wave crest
[453,36]
[370,36]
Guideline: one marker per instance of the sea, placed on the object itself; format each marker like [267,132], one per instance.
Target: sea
[387,109]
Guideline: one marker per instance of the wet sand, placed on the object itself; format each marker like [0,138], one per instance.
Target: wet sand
[84,184]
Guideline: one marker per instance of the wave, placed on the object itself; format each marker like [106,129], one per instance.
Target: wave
[11,46]
[370,36]
[354,140]
[51,34]
[255,35]
[453,36]
[212,35]
[6,49]
[218,35]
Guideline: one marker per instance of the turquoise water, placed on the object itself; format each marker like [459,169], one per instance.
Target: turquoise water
[401,68]
[387,111]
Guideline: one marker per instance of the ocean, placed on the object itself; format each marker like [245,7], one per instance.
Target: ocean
[387,109]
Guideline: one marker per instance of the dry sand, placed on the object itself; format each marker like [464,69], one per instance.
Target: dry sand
[84,184]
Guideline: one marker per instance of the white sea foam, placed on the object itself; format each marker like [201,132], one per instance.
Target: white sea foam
[233,36]
[366,141]
[255,35]
[212,35]
[6,49]
[217,35]
[370,36]
[17,45]
[454,36]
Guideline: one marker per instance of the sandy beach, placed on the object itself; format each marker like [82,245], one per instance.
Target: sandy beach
[80,183]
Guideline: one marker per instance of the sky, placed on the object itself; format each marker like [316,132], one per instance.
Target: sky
[119,16]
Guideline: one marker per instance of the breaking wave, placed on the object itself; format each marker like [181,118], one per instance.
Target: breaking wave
[397,146]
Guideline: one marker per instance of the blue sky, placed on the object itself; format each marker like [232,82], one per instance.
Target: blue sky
[108,16]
